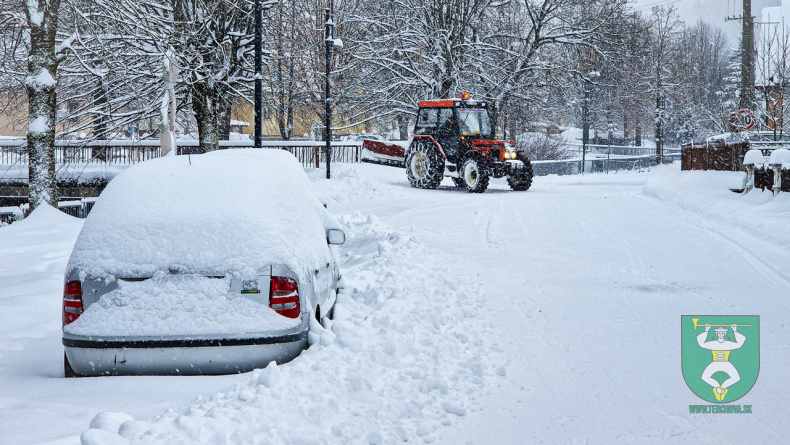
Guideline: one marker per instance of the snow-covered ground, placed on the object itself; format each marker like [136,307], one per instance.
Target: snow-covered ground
[547,316]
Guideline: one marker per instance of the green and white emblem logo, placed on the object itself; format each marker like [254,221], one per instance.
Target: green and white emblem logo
[720,355]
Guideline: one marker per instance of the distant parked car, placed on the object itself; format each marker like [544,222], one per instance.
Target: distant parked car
[203,264]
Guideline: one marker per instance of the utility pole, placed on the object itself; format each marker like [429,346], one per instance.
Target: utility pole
[330,44]
[585,111]
[747,99]
[258,74]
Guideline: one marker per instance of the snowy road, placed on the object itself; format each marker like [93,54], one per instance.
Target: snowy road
[551,316]
[586,280]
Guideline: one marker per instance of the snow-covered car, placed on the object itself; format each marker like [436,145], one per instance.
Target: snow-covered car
[203,264]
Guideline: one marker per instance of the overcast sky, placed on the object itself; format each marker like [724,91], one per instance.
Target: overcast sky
[712,11]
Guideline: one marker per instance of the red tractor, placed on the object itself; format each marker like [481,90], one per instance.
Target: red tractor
[453,137]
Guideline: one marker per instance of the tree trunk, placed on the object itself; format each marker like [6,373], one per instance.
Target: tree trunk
[205,104]
[100,129]
[223,120]
[42,18]
[285,118]
[493,110]
[403,127]
[638,134]
[625,130]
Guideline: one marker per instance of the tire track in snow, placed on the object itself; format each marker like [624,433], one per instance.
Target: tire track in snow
[717,230]
[490,227]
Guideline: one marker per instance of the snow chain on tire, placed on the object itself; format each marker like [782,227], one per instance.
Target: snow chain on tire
[474,172]
[522,180]
[424,165]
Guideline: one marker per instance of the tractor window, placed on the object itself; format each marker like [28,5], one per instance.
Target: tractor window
[474,121]
[444,114]
[426,121]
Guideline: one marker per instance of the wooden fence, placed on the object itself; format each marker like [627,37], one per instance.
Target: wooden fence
[723,155]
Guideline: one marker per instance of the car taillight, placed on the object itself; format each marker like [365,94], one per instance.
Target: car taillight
[72,301]
[284,297]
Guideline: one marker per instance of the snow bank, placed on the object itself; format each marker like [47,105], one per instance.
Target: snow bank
[177,306]
[44,219]
[780,156]
[351,182]
[231,210]
[708,193]
[404,357]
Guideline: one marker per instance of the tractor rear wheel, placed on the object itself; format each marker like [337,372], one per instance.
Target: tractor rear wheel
[424,165]
[475,175]
[521,180]
[459,182]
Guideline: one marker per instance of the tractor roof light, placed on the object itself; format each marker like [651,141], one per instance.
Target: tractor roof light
[465,96]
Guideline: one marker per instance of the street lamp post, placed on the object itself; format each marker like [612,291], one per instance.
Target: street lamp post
[585,110]
[330,43]
[610,134]
[258,74]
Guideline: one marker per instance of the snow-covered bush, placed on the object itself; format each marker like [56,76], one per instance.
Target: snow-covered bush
[539,146]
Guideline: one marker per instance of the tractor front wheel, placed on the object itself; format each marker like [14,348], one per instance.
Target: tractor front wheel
[474,172]
[424,165]
[521,180]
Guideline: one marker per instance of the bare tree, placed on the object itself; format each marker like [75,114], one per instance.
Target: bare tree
[115,75]
[37,23]
[773,78]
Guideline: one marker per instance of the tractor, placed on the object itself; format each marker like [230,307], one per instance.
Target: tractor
[453,137]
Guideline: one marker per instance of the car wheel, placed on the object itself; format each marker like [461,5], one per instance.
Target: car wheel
[68,371]
[424,165]
[522,180]
[475,175]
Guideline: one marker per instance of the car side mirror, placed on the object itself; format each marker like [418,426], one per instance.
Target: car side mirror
[335,237]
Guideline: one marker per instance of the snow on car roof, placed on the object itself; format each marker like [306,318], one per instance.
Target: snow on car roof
[225,211]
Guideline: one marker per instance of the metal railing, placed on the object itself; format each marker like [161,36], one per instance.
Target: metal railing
[621,150]
[600,165]
[126,152]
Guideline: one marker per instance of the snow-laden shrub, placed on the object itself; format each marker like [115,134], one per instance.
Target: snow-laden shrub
[542,146]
